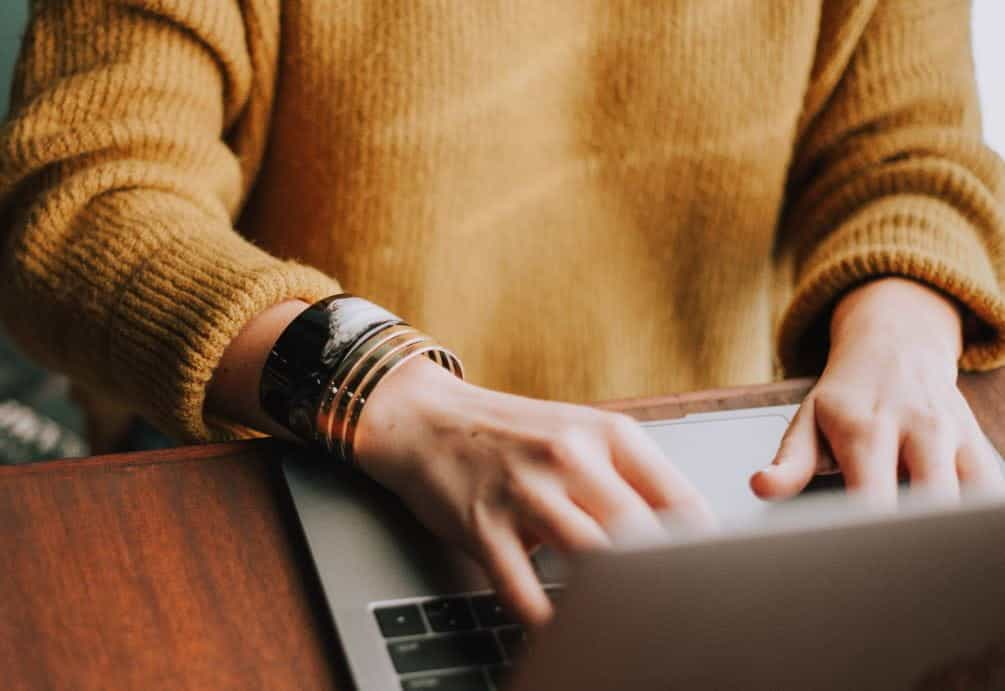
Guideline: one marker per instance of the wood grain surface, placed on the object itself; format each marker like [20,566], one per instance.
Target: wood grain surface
[186,569]
[167,570]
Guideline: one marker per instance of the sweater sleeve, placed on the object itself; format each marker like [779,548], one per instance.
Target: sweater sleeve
[134,135]
[890,177]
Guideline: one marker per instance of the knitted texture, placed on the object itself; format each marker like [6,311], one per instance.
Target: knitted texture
[585,200]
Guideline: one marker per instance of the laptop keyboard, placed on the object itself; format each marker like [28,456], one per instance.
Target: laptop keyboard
[464,642]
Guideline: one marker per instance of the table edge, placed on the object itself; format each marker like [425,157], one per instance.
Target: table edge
[644,408]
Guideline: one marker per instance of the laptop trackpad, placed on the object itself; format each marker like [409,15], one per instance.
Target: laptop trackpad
[718,453]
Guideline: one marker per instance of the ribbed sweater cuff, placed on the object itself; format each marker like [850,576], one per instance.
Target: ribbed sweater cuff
[179,311]
[915,237]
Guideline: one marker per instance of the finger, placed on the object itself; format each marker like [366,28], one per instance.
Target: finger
[930,459]
[615,505]
[592,482]
[603,494]
[552,517]
[643,465]
[510,569]
[796,460]
[978,467]
[868,458]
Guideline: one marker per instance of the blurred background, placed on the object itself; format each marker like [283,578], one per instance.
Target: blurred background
[37,418]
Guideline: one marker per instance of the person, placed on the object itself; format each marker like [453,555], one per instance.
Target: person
[583,200]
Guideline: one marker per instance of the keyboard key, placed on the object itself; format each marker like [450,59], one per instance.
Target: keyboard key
[399,621]
[490,612]
[465,681]
[449,614]
[445,652]
[513,641]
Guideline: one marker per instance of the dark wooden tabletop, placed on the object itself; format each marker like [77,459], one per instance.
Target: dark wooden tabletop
[185,568]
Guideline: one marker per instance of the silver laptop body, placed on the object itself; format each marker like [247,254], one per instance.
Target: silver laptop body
[833,598]
[370,552]
[386,578]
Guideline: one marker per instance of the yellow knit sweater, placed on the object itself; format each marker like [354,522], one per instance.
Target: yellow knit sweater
[586,199]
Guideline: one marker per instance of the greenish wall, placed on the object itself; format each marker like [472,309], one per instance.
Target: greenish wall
[13,17]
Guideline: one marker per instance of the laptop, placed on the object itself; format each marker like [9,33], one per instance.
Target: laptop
[412,613]
[830,595]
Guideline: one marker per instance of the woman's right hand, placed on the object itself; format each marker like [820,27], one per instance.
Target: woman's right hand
[499,474]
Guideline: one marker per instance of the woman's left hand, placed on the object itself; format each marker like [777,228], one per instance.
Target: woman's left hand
[887,403]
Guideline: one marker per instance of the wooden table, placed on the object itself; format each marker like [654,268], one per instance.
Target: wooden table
[186,569]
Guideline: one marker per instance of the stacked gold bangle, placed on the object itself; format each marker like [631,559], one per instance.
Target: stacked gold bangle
[326,365]
[363,368]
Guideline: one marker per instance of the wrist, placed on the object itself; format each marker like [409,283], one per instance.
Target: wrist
[901,314]
[413,396]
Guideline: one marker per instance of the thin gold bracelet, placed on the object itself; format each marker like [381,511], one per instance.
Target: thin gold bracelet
[347,386]
[388,363]
[332,409]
